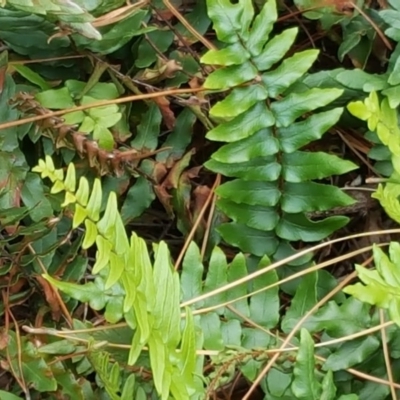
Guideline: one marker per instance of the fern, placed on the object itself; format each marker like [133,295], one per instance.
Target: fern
[123,264]
[264,130]
[382,119]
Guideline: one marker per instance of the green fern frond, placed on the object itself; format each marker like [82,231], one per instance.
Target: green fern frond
[264,130]
[153,315]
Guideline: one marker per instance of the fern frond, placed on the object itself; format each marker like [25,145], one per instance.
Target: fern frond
[264,130]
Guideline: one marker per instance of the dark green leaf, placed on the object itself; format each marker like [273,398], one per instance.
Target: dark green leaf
[148,129]
[264,306]
[359,79]
[33,197]
[160,39]
[216,277]
[192,274]
[211,327]
[253,193]
[304,299]
[244,125]
[298,134]
[352,353]
[303,166]
[310,196]
[231,331]
[264,169]
[295,227]
[295,105]
[249,240]
[8,137]
[305,384]
[261,144]
[257,217]
[138,199]
[328,387]
[338,321]
[32,76]
[237,269]
[179,138]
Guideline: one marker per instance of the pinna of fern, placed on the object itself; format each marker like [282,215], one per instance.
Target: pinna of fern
[264,127]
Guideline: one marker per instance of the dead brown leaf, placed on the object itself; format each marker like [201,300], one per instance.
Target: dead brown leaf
[51,297]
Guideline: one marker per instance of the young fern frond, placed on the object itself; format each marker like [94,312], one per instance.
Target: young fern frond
[151,298]
[264,129]
[383,120]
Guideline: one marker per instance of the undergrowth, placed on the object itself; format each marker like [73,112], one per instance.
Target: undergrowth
[176,187]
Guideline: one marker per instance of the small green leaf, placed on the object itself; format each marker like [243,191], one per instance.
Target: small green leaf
[231,76]
[303,166]
[33,196]
[90,234]
[55,98]
[244,125]
[237,269]
[87,293]
[295,105]
[340,320]
[216,277]
[310,196]
[261,144]
[63,346]
[228,19]
[188,346]
[104,248]
[239,101]
[192,274]
[264,306]
[305,384]
[291,69]
[79,216]
[211,327]
[301,133]
[275,49]
[103,136]
[352,353]
[70,178]
[253,193]
[294,227]
[234,54]
[82,194]
[262,27]
[129,388]
[166,309]
[328,387]
[148,129]
[304,299]
[257,217]
[94,204]
[137,200]
[8,396]
[263,169]
[249,240]
[359,110]
[158,359]
[32,76]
